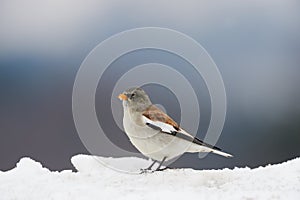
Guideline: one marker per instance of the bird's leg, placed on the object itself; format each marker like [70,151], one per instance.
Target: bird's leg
[160,164]
[149,168]
[157,169]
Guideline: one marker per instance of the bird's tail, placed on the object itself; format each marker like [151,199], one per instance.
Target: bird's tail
[221,153]
[203,147]
[198,145]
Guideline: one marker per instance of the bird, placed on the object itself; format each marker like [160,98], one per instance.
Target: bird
[155,134]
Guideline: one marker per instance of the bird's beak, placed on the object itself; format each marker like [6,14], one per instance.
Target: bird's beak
[122,97]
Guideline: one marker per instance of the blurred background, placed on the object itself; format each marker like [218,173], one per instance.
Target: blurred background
[255,44]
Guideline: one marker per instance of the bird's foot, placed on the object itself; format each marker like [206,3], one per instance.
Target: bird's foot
[162,169]
[146,171]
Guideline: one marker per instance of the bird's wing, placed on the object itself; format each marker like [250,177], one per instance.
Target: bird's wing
[158,120]
[158,117]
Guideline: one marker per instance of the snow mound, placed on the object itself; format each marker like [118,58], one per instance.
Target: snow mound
[94,180]
[94,164]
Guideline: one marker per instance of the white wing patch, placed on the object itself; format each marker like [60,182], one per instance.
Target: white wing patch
[163,126]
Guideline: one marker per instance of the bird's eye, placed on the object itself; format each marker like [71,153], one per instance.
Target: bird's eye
[132,95]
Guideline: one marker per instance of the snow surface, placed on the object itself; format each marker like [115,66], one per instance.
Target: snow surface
[29,180]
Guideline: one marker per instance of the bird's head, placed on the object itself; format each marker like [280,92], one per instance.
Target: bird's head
[135,98]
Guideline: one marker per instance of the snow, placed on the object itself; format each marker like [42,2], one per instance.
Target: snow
[94,180]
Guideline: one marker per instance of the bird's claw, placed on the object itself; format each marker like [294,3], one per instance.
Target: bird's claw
[145,171]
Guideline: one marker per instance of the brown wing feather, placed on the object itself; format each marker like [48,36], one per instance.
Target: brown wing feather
[155,114]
